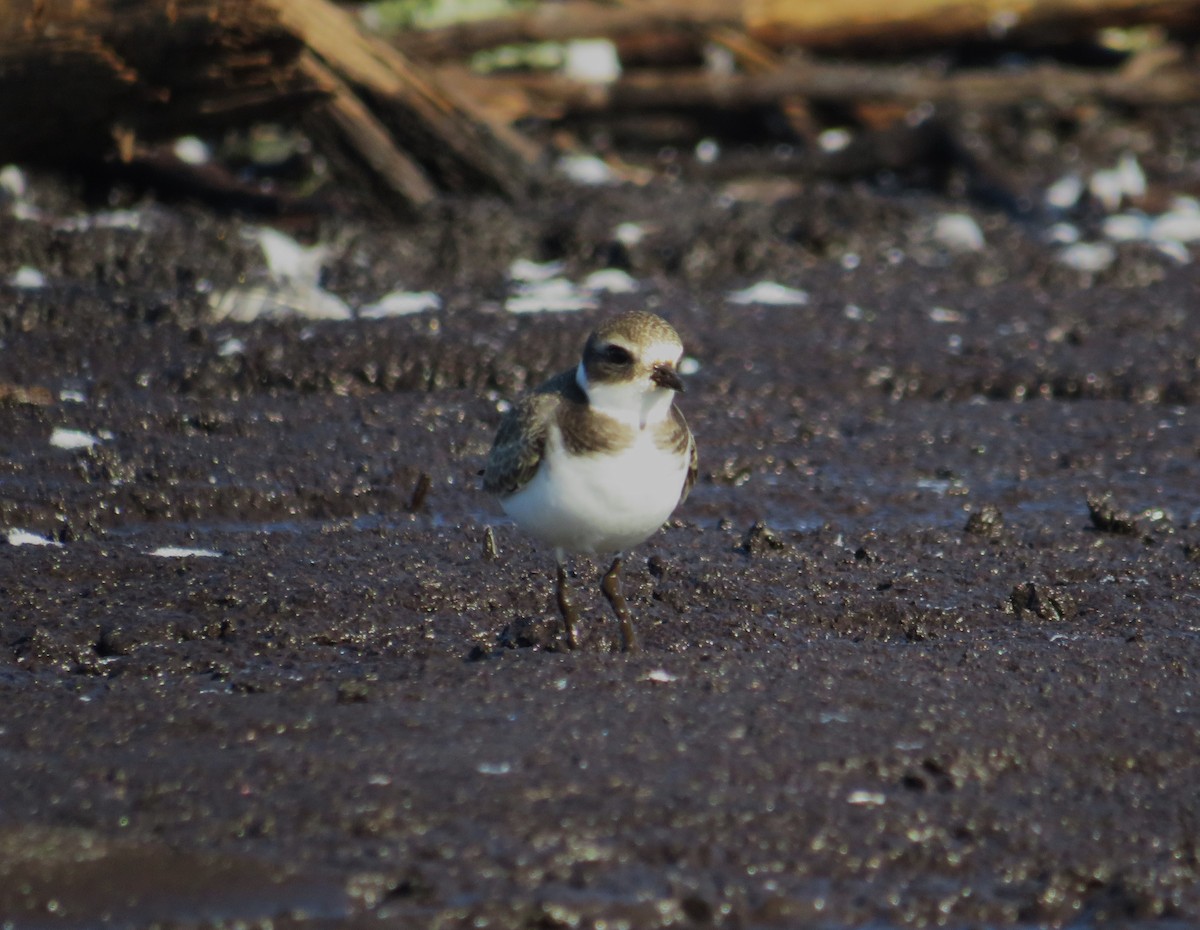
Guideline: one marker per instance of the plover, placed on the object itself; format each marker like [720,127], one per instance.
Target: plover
[597,458]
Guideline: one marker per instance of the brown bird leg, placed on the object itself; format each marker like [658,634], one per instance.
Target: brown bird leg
[570,615]
[611,586]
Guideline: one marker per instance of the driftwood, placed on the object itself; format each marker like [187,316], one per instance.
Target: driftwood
[464,148]
[75,74]
[573,19]
[551,96]
[753,32]
[819,25]
[95,80]
[906,24]
[89,79]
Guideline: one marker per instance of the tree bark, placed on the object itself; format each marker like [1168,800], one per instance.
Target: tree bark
[76,74]
[85,80]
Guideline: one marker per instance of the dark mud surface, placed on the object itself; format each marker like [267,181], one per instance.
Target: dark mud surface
[922,648]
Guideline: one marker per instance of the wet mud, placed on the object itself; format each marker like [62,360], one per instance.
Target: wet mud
[921,649]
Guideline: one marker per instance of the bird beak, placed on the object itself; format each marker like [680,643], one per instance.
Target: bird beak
[665,376]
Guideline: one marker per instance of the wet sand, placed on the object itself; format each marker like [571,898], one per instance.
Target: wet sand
[922,648]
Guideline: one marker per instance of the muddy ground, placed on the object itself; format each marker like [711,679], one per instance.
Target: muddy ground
[922,648]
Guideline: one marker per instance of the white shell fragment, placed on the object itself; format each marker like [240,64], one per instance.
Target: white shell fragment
[769,293]
[231,347]
[1088,256]
[1176,250]
[834,140]
[707,151]
[192,150]
[629,234]
[287,258]
[1063,233]
[1126,227]
[540,287]
[525,270]
[1126,181]
[587,170]
[400,303]
[556,295]
[612,280]
[183,552]
[25,538]
[1065,192]
[594,61]
[294,290]
[945,315]
[288,298]
[959,232]
[107,219]
[63,438]
[27,278]
[1179,224]
[13,183]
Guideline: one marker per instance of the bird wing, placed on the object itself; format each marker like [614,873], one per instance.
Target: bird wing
[693,456]
[521,437]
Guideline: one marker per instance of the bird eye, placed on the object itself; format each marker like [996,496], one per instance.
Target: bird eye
[617,355]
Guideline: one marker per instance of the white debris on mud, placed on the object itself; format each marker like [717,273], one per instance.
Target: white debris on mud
[27,278]
[959,232]
[770,294]
[25,538]
[400,303]
[184,552]
[63,438]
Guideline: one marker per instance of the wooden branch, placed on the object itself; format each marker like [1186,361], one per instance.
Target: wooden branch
[463,146]
[365,139]
[853,84]
[560,22]
[897,24]
[828,25]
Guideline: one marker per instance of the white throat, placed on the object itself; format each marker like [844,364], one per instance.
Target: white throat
[637,404]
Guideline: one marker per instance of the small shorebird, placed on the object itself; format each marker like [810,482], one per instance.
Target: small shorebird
[598,457]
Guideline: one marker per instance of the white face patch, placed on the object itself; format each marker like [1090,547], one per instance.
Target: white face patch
[636,403]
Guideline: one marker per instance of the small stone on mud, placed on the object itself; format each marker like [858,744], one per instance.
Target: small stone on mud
[697,909]
[1030,600]
[490,550]
[115,642]
[986,521]
[761,538]
[353,692]
[1108,517]
[420,492]
[532,633]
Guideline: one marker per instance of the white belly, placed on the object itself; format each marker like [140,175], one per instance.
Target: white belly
[595,504]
